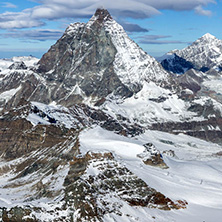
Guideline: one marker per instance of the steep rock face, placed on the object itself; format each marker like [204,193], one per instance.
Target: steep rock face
[88,63]
[83,58]
[20,81]
[19,137]
[32,126]
[43,164]
[207,126]
[191,80]
[91,194]
[96,59]
[209,130]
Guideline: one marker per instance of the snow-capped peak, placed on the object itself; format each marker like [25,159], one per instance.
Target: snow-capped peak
[101,53]
[205,52]
[102,14]
[208,36]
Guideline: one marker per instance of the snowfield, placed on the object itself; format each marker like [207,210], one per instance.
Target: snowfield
[194,173]
[150,105]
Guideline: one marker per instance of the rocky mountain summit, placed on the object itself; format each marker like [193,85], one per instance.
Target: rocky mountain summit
[98,130]
[89,62]
[203,54]
[97,59]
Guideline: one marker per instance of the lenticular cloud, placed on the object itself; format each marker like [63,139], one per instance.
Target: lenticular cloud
[58,9]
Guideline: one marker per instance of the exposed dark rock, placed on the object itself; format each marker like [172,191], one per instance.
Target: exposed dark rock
[159,99]
[95,116]
[176,64]
[93,46]
[19,137]
[202,55]
[18,66]
[194,128]
[191,80]
[151,156]
[17,214]
[86,192]
[102,14]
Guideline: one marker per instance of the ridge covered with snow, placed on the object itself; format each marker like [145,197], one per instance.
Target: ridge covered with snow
[204,54]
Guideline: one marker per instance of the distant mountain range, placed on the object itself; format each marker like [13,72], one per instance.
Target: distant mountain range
[98,130]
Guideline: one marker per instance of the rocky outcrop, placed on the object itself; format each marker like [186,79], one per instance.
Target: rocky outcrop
[191,80]
[19,137]
[17,214]
[89,193]
[151,156]
[18,66]
[119,125]
[209,129]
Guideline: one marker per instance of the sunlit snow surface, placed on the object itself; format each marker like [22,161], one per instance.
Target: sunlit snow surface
[132,64]
[7,95]
[145,109]
[194,174]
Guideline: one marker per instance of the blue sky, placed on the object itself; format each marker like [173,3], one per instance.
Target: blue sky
[158,26]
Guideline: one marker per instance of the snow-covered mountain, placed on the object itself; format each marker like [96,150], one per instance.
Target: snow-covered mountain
[203,54]
[97,130]
[98,59]
[88,63]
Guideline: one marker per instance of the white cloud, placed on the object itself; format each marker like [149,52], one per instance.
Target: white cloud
[36,34]
[8,5]
[199,10]
[18,20]
[178,5]
[157,40]
[58,9]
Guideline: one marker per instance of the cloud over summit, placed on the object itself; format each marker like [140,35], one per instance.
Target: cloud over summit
[58,9]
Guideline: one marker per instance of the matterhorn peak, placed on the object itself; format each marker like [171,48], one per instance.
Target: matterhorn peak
[101,15]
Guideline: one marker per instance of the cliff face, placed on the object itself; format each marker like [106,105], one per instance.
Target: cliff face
[96,59]
[89,63]
[19,137]
[83,60]
[43,161]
